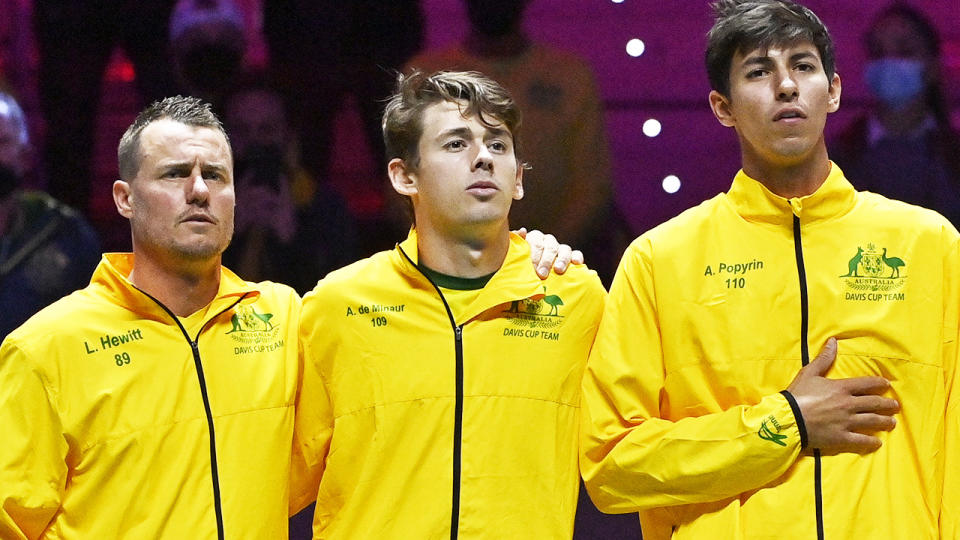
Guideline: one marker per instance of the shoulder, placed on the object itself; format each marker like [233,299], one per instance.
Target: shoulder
[69,315]
[902,214]
[277,293]
[686,227]
[370,271]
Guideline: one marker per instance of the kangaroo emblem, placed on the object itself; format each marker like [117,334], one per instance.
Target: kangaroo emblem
[246,321]
[855,263]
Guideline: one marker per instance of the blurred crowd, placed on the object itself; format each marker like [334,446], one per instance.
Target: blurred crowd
[294,221]
[281,72]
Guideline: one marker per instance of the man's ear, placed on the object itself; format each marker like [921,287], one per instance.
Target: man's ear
[720,105]
[403,180]
[122,198]
[518,186]
[834,101]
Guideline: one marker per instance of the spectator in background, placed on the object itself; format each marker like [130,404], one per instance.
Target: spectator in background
[75,41]
[46,249]
[288,228]
[208,44]
[569,187]
[904,147]
[322,51]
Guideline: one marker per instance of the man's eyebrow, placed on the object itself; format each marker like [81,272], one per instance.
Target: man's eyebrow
[462,131]
[188,165]
[176,165]
[498,132]
[219,167]
[757,61]
[804,55]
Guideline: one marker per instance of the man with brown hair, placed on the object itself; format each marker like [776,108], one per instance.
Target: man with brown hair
[441,379]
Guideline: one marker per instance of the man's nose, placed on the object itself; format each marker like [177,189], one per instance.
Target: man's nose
[483,159]
[787,88]
[197,189]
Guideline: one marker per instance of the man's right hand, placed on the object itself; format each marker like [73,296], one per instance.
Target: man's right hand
[840,414]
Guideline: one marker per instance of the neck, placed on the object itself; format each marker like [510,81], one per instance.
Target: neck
[463,255]
[905,119]
[182,288]
[507,46]
[795,179]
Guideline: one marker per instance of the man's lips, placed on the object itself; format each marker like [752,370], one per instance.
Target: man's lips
[198,218]
[789,114]
[482,185]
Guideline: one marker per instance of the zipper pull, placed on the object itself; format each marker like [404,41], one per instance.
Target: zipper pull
[458,331]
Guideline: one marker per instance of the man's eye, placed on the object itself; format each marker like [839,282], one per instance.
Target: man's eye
[498,146]
[805,67]
[755,73]
[455,145]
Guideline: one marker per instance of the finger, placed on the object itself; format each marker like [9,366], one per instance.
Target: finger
[576,257]
[875,404]
[821,364]
[869,422]
[563,259]
[550,249]
[535,239]
[861,386]
[861,444]
[521,232]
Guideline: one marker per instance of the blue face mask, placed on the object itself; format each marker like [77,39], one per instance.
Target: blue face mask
[895,81]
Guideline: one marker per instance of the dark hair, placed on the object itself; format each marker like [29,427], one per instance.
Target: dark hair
[745,25]
[186,110]
[403,114]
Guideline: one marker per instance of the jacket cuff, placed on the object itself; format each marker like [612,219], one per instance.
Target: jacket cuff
[798,416]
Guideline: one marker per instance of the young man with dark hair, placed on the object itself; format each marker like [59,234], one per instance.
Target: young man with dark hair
[703,409]
[441,379]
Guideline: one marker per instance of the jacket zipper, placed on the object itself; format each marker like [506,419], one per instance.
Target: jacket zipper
[195,350]
[458,405]
[457,431]
[805,359]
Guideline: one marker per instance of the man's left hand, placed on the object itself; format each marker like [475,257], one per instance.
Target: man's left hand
[546,251]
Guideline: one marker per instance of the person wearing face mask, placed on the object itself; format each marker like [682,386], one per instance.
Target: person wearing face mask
[904,147]
[46,248]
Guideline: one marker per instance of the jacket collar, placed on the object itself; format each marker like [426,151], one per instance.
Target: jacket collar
[754,202]
[515,280]
[111,277]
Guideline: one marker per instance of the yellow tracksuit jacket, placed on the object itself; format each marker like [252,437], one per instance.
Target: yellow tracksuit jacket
[419,422]
[116,423]
[710,317]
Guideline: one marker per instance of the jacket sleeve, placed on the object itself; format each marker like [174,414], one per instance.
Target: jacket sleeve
[634,459]
[950,504]
[33,467]
[313,427]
